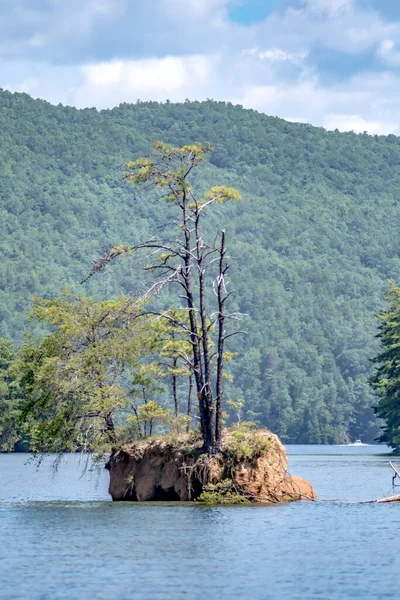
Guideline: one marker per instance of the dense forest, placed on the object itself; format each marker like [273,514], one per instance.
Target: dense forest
[312,244]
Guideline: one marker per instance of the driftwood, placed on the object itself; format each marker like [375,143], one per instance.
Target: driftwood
[390,499]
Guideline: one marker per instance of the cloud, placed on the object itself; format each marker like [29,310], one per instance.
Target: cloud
[277,55]
[367,102]
[330,7]
[40,80]
[328,24]
[45,28]
[80,31]
[388,54]
[358,124]
[84,31]
[174,78]
[29,85]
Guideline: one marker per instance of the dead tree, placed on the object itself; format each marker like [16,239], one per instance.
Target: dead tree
[189,403]
[189,262]
[222,297]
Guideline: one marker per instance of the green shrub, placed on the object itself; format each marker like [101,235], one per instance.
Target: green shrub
[222,493]
[245,441]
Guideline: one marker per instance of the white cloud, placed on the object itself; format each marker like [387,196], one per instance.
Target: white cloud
[36,41]
[388,54]
[366,103]
[107,84]
[358,124]
[40,80]
[276,55]
[29,86]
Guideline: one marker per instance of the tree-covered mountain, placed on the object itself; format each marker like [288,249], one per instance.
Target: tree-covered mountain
[312,243]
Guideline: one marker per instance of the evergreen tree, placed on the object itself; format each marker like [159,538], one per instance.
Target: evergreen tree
[10,400]
[386,379]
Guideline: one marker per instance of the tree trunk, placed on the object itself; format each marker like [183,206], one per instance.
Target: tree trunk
[220,350]
[175,389]
[207,389]
[194,336]
[189,404]
[110,428]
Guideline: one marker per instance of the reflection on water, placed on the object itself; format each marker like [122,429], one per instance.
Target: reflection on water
[61,538]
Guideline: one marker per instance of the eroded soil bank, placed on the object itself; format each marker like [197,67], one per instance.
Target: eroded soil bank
[252,465]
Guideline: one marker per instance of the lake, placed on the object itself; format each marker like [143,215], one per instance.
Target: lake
[61,538]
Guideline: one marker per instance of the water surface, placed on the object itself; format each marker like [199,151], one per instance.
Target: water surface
[61,537]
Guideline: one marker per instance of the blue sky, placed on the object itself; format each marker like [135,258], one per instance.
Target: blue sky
[248,12]
[333,63]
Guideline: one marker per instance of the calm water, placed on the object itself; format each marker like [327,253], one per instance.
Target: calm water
[61,537]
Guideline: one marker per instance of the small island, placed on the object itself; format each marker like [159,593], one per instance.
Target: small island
[251,467]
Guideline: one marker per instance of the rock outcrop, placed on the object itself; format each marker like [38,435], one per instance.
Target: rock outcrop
[253,463]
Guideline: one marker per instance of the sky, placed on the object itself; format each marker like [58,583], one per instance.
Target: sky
[331,63]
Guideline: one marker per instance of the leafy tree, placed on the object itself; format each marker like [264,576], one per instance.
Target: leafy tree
[146,416]
[75,379]
[386,379]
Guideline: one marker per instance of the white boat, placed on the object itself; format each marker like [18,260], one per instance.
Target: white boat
[357,443]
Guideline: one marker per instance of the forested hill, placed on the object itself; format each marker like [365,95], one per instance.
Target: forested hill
[313,241]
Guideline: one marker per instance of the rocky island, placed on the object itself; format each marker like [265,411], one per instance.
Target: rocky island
[251,467]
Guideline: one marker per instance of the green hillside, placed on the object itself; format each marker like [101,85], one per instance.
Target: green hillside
[312,243]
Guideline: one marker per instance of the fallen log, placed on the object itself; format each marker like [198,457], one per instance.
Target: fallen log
[389,499]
